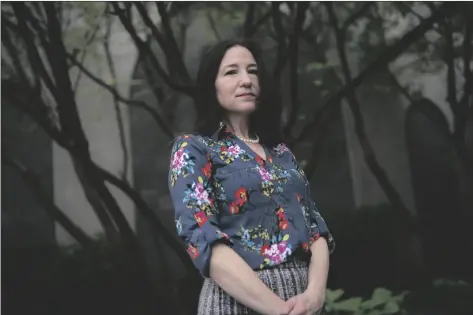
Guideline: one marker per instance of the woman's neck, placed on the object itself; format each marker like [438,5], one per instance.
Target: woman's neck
[239,125]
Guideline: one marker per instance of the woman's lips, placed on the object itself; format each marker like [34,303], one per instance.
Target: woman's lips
[246,95]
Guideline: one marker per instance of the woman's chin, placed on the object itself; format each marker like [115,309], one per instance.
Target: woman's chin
[245,108]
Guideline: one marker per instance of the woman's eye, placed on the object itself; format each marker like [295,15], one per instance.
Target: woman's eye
[230,72]
[253,71]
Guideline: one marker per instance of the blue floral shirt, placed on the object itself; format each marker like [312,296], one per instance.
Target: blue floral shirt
[223,191]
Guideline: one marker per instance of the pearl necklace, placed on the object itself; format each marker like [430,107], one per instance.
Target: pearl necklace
[241,138]
[249,140]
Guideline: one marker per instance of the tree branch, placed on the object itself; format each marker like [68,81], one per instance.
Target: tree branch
[84,52]
[33,54]
[66,105]
[254,28]
[158,37]
[72,127]
[171,41]
[319,136]
[401,5]
[14,53]
[353,18]
[142,206]
[384,58]
[111,66]
[97,204]
[467,72]
[32,180]
[149,215]
[450,61]
[212,25]
[278,28]
[293,52]
[33,108]
[250,15]
[145,51]
[32,105]
[464,105]
[398,85]
[135,103]
[369,155]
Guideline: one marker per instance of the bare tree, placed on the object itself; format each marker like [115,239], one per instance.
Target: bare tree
[28,94]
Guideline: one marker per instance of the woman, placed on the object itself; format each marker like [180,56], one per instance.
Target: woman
[242,203]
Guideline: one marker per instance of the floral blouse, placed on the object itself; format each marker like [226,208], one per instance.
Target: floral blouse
[223,191]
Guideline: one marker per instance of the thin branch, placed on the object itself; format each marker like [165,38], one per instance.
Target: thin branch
[450,61]
[213,27]
[467,57]
[464,104]
[149,215]
[172,67]
[254,28]
[369,155]
[171,41]
[84,51]
[72,127]
[145,51]
[33,54]
[431,6]
[317,141]
[402,5]
[33,105]
[174,64]
[293,52]
[383,59]
[66,105]
[136,103]
[32,180]
[250,15]
[258,23]
[278,28]
[353,18]
[142,206]
[96,202]
[111,66]
[398,85]
[154,30]
[14,53]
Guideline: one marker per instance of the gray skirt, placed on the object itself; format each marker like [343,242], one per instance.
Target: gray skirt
[286,280]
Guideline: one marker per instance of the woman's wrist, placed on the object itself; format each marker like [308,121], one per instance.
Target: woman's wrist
[315,289]
[278,307]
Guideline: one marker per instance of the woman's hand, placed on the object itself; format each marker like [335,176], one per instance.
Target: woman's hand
[307,303]
[282,307]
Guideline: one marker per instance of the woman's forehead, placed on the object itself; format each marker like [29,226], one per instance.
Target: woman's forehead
[237,55]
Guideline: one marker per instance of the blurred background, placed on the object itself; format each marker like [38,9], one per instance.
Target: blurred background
[377,106]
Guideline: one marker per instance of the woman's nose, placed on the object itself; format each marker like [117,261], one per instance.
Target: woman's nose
[245,79]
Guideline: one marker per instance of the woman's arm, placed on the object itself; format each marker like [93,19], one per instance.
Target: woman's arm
[313,298]
[318,268]
[236,278]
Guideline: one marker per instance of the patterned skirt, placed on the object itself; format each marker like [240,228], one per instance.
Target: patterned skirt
[286,280]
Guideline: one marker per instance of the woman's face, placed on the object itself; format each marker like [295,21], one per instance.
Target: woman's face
[237,82]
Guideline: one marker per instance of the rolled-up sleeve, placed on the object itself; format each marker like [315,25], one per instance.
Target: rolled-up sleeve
[318,226]
[193,200]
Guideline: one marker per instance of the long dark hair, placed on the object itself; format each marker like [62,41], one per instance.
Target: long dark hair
[265,121]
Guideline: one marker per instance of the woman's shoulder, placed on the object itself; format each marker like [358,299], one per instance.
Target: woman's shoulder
[193,141]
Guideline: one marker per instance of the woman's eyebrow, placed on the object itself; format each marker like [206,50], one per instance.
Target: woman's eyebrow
[234,65]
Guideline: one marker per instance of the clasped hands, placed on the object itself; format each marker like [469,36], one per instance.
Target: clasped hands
[307,303]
